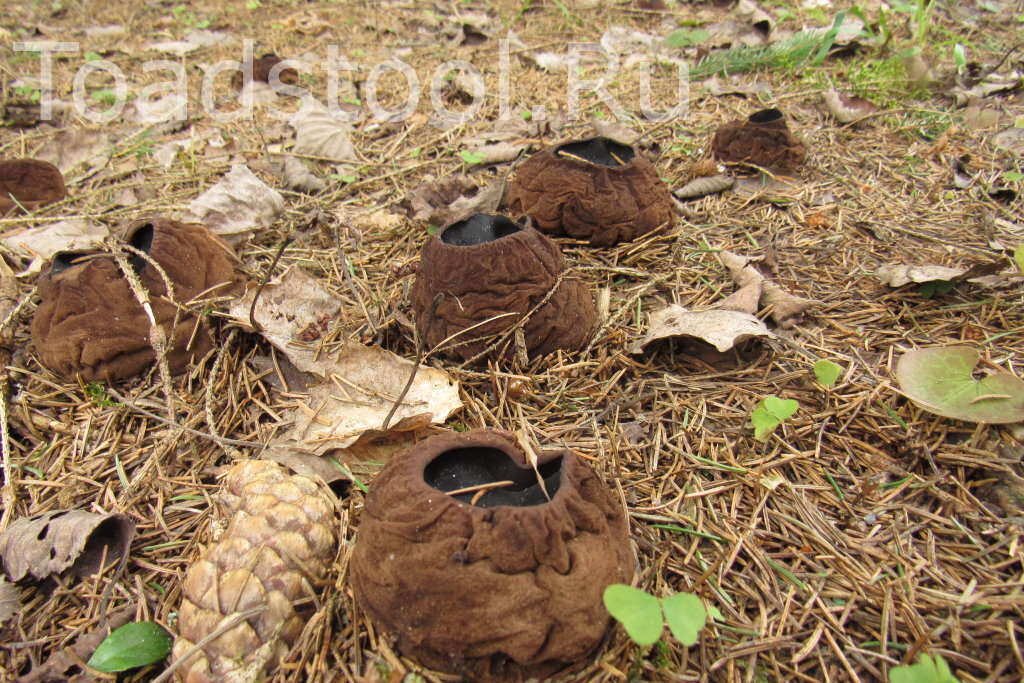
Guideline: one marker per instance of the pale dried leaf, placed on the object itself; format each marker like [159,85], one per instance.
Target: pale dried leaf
[299,178]
[847,108]
[68,148]
[65,540]
[318,133]
[734,86]
[10,600]
[192,41]
[293,312]
[897,275]
[238,205]
[613,130]
[43,241]
[703,186]
[364,383]
[452,198]
[721,328]
[497,153]
[785,307]
[746,299]
[769,187]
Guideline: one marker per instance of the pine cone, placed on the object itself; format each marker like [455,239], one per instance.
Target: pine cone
[280,540]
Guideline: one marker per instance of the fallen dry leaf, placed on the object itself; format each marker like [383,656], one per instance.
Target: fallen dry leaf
[452,198]
[722,329]
[192,41]
[363,384]
[8,294]
[897,275]
[293,312]
[847,108]
[704,186]
[784,307]
[495,153]
[299,178]
[238,205]
[65,540]
[318,133]
[10,600]
[71,147]
[42,242]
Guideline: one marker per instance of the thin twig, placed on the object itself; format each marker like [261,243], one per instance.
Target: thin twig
[420,345]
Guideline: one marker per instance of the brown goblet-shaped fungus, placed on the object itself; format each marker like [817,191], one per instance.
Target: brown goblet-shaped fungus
[497,582]
[597,190]
[491,273]
[30,183]
[262,69]
[762,140]
[90,323]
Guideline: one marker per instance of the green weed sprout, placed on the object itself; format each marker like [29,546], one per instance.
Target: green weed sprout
[927,670]
[644,616]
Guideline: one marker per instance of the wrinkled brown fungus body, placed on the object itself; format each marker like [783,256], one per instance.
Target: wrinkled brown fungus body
[488,266]
[596,190]
[261,72]
[31,182]
[762,140]
[506,588]
[90,323]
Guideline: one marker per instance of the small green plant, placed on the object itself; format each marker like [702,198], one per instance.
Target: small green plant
[97,393]
[686,37]
[28,92]
[133,645]
[928,290]
[827,372]
[770,412]
[1018,258]
[187,18]
[927,670]
[472,157]
[644,616]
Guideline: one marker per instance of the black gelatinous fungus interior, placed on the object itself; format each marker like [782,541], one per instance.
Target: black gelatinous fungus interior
[765,116]
[463,468]
[141,239]
[63,260]
[479,228]
[598,151]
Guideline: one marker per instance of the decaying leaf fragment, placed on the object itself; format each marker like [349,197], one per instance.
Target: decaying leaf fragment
[941,381]
[720,328]
[66,540]
[279,543]
[897,275]
[42,242]
[785,307]
[452,198]
[701,187]
[360,383]
[319,133]
[847,108]
[10,600]
[363,384]
[238,205]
